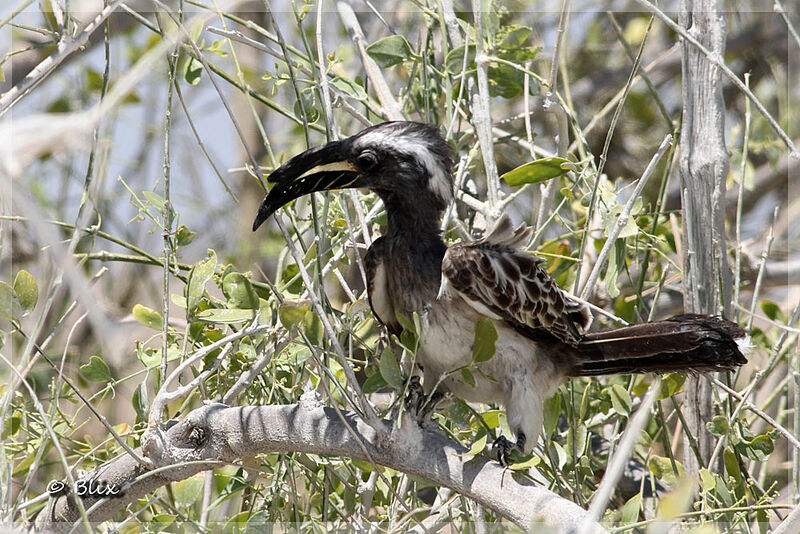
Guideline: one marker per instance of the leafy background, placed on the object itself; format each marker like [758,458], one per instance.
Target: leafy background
[87,231]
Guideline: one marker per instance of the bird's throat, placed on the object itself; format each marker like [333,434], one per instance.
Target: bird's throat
[413,256]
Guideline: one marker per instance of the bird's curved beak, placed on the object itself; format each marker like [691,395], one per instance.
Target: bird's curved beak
[318,169]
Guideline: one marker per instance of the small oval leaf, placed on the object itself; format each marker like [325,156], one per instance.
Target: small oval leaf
[96,370]
[291,312]
[390,51]
[187,491]
[216,315]
[537,171]
[199,275]
[525,464]
[477,446]
[390,369]
[146,316]
[27,291]
[483,346]
[239,291]
[621,399]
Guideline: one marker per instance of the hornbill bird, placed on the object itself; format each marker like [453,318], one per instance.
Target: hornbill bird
[541,330]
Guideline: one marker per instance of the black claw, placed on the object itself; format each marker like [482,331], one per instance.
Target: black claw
[503,447]
[417,403]
[415,396]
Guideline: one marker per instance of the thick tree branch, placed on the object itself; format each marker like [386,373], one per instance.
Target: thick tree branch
[223,434]
[703,169]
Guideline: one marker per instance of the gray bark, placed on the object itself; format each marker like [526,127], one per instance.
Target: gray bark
[703,169]
[220,433]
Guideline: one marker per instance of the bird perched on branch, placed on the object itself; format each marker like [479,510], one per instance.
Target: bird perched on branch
[541,330]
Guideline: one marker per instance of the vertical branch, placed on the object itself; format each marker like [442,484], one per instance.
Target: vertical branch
[481,112]
[703,168]
[551,104]
[172,60]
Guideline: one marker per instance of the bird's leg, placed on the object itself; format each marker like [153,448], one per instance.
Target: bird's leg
[417,403]
[502,448]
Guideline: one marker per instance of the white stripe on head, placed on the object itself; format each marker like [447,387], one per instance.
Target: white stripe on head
[411,143]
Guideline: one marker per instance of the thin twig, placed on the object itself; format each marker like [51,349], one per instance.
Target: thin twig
[65,49]
[720,63]
[760,277]
[750,406]
[482,115]
[617,463]
[622,221]
[737,278]
[390,106]
[159,404]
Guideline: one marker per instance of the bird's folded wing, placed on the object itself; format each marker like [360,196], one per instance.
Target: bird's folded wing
[505,283]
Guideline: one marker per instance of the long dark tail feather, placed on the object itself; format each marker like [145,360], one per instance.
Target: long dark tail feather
[684,343]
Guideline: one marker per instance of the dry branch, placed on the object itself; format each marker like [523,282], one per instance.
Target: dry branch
[218,433]
[703,169]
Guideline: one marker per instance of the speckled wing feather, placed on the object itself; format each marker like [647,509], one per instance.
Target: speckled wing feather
[502,282]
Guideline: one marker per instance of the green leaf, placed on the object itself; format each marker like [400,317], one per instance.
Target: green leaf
[26,290]
[671,384]
[533,461]
[178,300]
[307,103]
[198,276]
[146,316]
[718,425]
[537,171]
[758,449]
[187,491]
[468,377]
[155,200]
[374,383]
[240,293]
[661,467]
[707,480]
[291,312]
[184,236]
[620,399]
[515,38]
[454,61]
[616,263]
[349,87]
[405,322]
[390,369]
[216,315]
[731,464]
[390,51]
[192,69]
[630,511]
[96,370]
[312,326]
[678,500]
[491,418]
[483,346]
[477,446]
[551,409]
[769,308]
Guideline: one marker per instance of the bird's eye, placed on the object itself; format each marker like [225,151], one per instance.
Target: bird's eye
[367,160]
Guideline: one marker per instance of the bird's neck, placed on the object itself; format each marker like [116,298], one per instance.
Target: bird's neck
[414,228]
[414,255]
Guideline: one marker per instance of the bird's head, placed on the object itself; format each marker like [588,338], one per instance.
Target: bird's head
[397,160]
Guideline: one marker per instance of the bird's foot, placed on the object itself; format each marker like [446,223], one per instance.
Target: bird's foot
[503,447]
[419,405]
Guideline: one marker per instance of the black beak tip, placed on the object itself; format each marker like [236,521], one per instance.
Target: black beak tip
[263,214]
